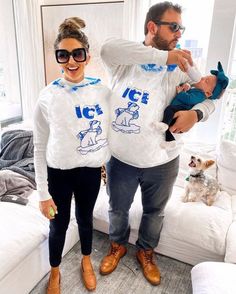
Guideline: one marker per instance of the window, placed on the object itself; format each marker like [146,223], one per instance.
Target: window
[197,18]
[229,124]
[10,98]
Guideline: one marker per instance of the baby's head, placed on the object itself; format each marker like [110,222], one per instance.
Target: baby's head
[213,85]
[207,84]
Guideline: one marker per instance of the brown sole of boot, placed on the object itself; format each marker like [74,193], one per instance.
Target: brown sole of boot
[106,273]
[151,282]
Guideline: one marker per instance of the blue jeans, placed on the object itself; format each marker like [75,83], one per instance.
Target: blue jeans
[156,185]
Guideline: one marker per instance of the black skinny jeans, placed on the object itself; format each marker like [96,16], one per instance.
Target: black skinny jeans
[84,183]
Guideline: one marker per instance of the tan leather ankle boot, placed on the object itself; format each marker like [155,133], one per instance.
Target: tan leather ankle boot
[54,281]
[88,274]
[110,262]
[150,270]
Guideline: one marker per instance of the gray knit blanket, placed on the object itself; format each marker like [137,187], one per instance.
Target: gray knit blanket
[15,187]
[17,153]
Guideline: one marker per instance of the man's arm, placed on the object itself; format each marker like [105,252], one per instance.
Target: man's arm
[185,120]
[116,52]
[207,107]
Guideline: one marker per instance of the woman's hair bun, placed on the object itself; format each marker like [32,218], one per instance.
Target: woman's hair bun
[71,24]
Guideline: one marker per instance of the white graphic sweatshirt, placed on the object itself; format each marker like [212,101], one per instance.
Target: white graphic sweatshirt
[71,123]
[143,86]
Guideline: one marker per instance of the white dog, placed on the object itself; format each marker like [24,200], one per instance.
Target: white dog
[200,186]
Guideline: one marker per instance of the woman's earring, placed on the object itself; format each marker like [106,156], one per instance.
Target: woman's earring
[62,71]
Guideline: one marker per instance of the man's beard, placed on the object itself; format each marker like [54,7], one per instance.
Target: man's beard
[160,43]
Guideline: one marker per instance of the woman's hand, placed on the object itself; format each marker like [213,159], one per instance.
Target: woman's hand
[45,207]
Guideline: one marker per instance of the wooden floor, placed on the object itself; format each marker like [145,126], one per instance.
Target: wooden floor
[126,279]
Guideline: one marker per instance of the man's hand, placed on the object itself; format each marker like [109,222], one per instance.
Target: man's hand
[180,57]
[45,206]
[185,120]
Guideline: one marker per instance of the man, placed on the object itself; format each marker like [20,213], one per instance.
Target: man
[143,86]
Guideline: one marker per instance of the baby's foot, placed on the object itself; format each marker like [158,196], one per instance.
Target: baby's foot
[168,145]
[160,126]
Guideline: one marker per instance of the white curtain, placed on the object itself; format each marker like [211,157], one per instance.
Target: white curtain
[134,16]
[30,52]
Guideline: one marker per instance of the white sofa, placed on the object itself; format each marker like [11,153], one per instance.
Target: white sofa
[192,232]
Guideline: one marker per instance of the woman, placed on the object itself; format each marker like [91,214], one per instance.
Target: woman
[70,139]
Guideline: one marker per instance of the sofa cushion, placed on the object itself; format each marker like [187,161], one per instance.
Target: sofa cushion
[213,278]
[22,230]
[230,254]
[226,162]
[199,224]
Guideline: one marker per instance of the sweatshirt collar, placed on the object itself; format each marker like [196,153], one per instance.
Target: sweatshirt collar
[62,83]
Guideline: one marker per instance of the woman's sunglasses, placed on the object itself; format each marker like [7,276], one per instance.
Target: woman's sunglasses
[63,56]
[174,26]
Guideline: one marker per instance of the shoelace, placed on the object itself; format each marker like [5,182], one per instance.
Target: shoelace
[114,250]
[148,257]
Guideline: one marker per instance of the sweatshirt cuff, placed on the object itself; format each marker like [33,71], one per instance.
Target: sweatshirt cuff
[44,195]
[161,57]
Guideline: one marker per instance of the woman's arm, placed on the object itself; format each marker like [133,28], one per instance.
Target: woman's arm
[41,134]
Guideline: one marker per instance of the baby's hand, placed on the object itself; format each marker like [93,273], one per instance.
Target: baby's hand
[183,88]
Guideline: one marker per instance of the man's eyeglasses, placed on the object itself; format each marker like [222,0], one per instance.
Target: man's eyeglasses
[63,56]
[174,26]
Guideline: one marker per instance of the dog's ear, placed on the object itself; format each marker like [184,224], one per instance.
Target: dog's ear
[208,163]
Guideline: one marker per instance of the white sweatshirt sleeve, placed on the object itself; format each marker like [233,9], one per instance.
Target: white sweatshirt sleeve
[116,52]
[41,134]
[207,107]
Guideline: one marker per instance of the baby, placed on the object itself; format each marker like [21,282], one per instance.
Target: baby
[209,87]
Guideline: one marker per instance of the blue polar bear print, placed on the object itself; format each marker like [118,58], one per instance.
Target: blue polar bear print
[124,117]
[88,138]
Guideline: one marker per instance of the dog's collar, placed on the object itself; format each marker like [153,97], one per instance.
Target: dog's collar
[198,175]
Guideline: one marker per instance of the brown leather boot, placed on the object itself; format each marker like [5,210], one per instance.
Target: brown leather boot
[110,262]
[54,281]
[88,274]
[150,270]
